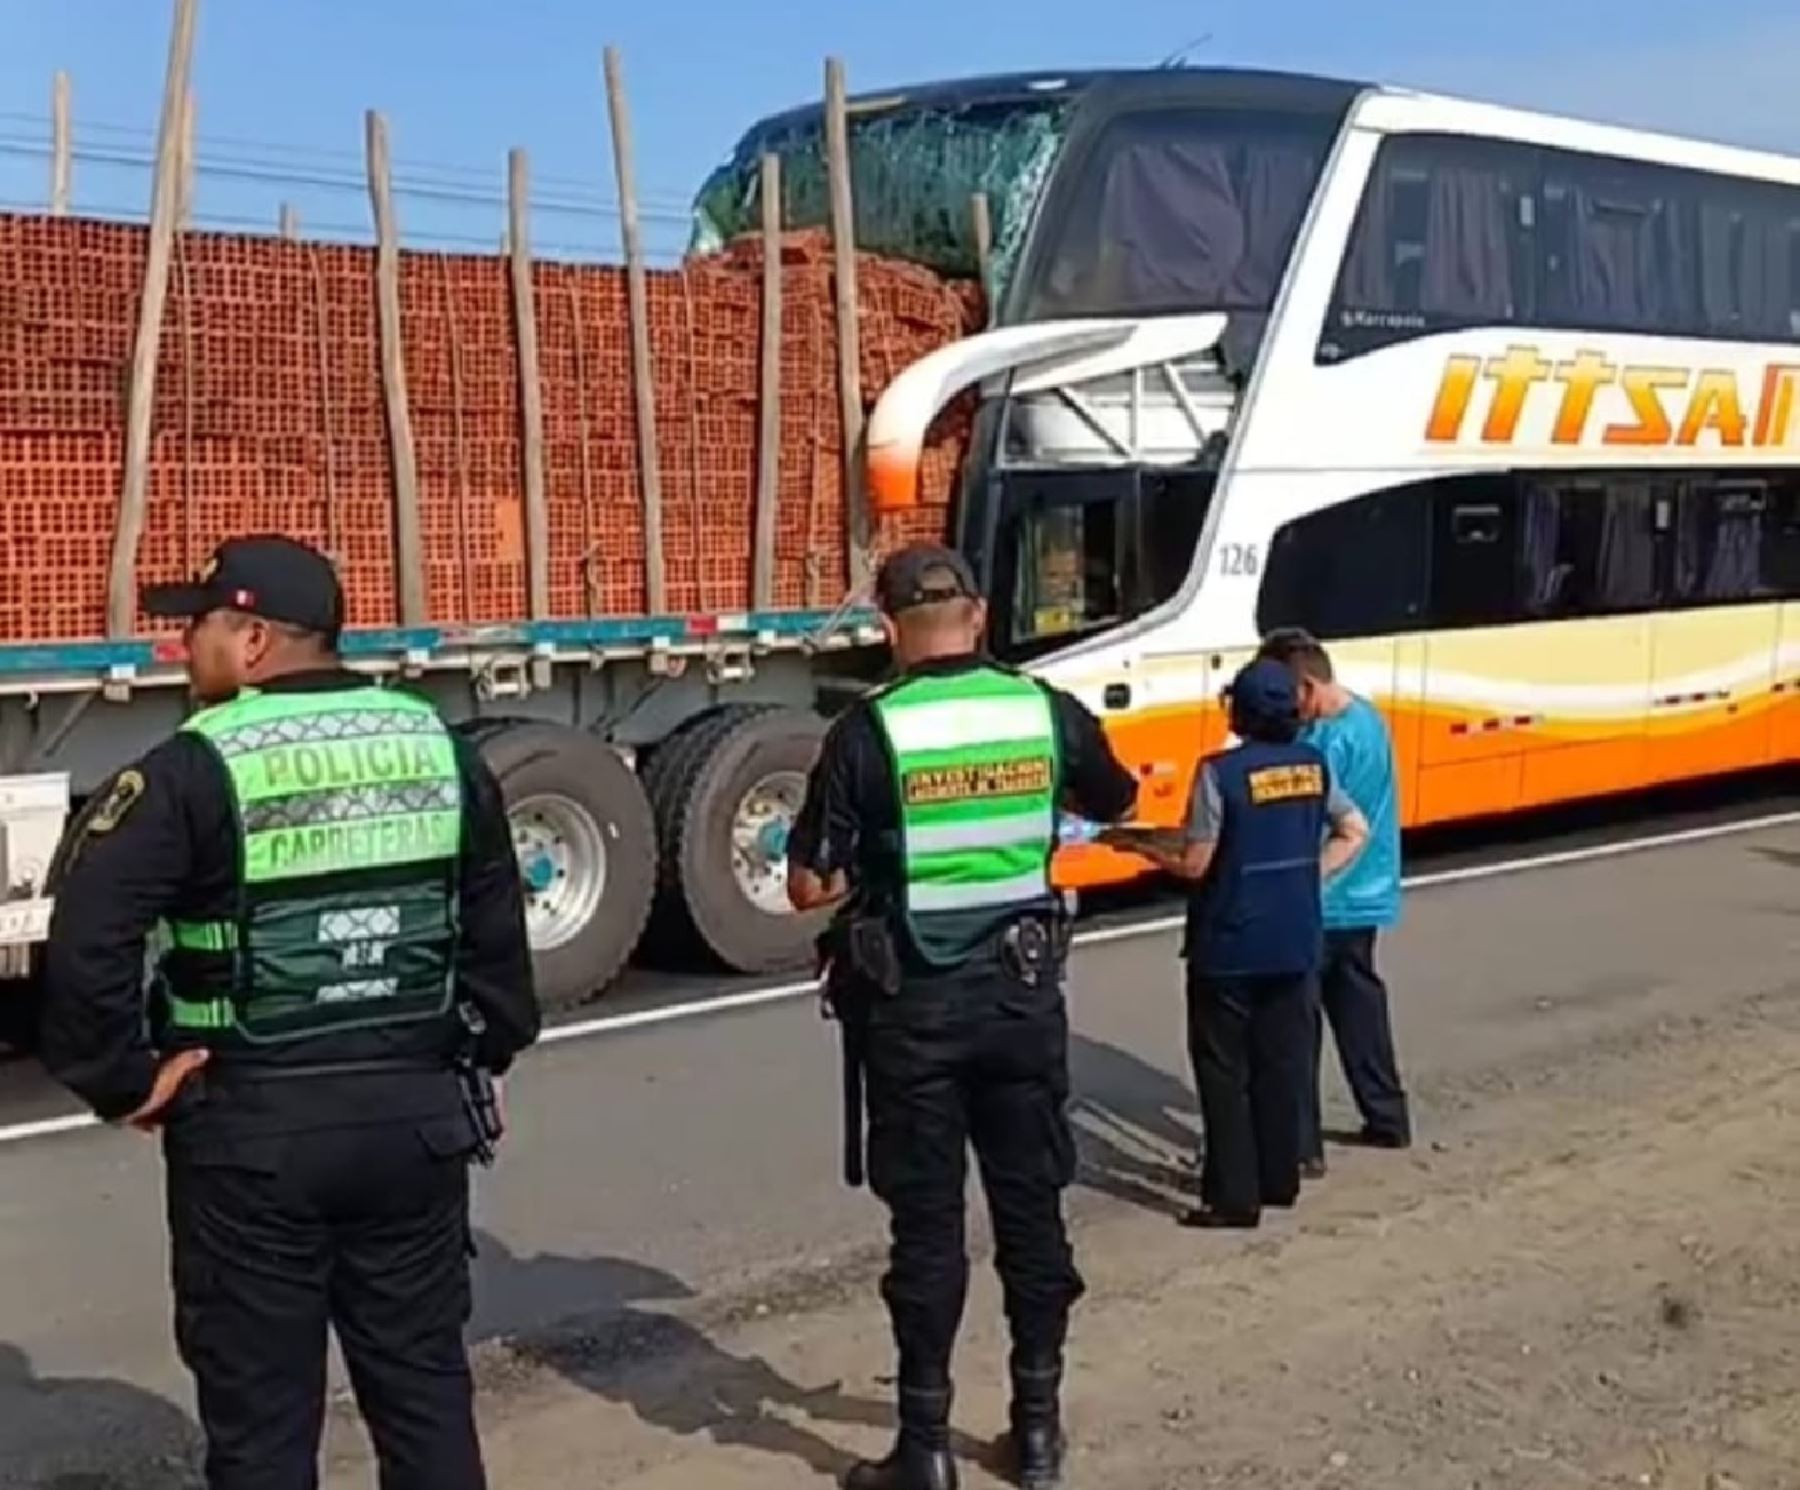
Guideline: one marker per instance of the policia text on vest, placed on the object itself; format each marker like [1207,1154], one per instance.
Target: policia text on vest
[328,876]
[403,771]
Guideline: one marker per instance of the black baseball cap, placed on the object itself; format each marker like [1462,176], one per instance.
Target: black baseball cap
[923,574]
[278,579]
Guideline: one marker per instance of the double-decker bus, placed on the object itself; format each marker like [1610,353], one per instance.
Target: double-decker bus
[1502,406]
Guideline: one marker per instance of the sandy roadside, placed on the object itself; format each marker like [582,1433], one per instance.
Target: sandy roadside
[1588,1277]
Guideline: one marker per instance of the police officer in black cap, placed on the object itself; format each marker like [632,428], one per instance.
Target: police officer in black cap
[1255,941]
[930,820]
[327,875]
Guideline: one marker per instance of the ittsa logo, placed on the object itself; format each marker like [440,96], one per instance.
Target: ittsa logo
[1662,405]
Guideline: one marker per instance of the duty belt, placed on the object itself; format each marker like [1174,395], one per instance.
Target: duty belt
[226,1070]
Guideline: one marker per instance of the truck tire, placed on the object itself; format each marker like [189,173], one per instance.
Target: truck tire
[587,853]
[724,790]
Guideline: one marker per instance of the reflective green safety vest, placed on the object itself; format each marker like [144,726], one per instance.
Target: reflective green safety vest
[348,806]
[978,774]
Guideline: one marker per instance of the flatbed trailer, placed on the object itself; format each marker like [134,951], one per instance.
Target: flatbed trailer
[1489,401]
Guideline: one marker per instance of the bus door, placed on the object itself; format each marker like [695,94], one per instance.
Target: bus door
[1717,641]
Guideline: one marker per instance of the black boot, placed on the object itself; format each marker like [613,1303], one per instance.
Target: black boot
[1037,1435]
[921,1455]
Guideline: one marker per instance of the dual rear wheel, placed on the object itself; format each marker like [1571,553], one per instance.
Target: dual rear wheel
[687,856]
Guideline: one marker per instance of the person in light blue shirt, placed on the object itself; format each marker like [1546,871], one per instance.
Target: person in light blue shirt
[1359,903]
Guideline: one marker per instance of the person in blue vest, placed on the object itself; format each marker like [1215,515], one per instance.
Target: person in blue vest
[1259,813]
[1359,905]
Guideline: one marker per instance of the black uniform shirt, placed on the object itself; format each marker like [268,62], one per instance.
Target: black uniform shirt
[851,817]
[172,853]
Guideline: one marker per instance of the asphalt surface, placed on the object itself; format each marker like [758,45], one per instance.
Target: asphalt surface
[27,1097]
[685,1158]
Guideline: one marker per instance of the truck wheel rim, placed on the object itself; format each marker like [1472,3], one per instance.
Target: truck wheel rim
[759,838]
[562,860]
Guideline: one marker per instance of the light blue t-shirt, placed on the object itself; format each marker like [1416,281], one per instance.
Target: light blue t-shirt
[1361,757]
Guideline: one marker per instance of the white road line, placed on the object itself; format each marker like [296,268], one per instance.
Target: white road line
[1099,936]
[48,1128]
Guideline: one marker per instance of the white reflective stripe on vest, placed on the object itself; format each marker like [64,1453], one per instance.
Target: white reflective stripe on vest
[993,832]
[1016,891]
[948,724]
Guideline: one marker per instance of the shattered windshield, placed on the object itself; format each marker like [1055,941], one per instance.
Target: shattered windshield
[917,170]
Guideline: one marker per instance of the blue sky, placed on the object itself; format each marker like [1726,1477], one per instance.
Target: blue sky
[281,84]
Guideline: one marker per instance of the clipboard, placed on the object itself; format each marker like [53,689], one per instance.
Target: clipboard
[1128,836]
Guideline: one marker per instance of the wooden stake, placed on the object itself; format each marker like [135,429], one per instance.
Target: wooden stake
[408,540]
[121,588]
[290,221]
[983,222]
[531,399]
[849,340]
[638,300]
[185,215]
[62,148]
[768,448]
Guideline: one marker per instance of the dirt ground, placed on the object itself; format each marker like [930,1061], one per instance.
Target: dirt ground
[1587,1275]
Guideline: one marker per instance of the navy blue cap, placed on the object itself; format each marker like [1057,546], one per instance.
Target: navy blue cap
[1265,703]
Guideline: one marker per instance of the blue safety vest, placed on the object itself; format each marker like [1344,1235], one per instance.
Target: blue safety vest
[1256,913]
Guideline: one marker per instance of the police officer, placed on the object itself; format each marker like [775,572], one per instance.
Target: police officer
[930,820]
[1259,812]
[328,874]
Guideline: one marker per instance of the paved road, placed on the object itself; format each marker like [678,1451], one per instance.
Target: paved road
[27,1099]
[682,1158]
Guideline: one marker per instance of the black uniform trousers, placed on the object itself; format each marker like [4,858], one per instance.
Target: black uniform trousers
[276,1235]
[1354,1000]
[1249,1039]
[975,1058]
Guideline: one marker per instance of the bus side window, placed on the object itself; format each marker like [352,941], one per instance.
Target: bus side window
[1781,539]
[1591,546]
[1727,532]
[1356,569]
[1069,569]
[1474,552]
[1079,550]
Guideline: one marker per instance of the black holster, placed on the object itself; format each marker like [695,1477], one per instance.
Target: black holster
[1034,948]
[851,1034]
[480,1100]
[861,964]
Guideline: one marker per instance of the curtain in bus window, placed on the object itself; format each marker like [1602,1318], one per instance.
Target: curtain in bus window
[1588,549]
[1434,238]
[1182,212]
[1746,263]
[1367,281]
[1631,255]
[1467,262]
[1177,230]
[1627,561]
[1277,186]
[1545,579]
[1719,544]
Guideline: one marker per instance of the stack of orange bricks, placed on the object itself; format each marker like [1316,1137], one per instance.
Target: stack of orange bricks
[270,417]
